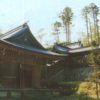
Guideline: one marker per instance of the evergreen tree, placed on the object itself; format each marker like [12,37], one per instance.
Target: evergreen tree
[85,12]
[41,34]
[94,61]
[56,32]
[67,17]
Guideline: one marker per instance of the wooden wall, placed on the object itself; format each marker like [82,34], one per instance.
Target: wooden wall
[8,74]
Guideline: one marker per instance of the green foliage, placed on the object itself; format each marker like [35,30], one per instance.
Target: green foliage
[87,11]
[69,92]
[97,74]
[0,31]
[91,80]
[71,82]
[49,47]
[94,10]
[80,96]
[57,24]
[56,32]
[94,57]
[58,43]
[41,34]
[94,60]
[84,38]
[66,88]
[93,43]
[40,30]
[63,43]
[66,16]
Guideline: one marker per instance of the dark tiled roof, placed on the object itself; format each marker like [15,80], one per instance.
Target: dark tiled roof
[72,51]
[60,49]
[22,37]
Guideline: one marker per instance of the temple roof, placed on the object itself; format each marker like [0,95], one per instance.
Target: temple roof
[22,37]
[66,50]
[74,45]
[60,49]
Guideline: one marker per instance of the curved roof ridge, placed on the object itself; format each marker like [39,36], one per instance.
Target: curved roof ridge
[13,30]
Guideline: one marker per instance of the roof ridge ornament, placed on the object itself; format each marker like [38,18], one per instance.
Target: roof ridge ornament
[26,23]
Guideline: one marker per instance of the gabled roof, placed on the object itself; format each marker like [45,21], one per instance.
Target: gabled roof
[60,49]
[74,45]
[22,37]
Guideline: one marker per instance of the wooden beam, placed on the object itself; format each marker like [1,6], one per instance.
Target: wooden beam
[20,75]
[3,51]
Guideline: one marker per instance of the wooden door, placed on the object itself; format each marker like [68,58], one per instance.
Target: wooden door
[26,79]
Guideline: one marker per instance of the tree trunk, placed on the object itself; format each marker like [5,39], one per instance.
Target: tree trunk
[90,29]
[58,37]
[87,30]
[97,28]
[69,34]
[97,89]
[94,28]
[96,79]
[66,32]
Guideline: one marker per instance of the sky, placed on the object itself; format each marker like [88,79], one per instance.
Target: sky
[42,14]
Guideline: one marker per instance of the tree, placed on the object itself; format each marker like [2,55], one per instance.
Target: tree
[90,30]
[63,43]
[56,32]
[91,36]
[85,12]
[41,34]
[96,13]
[40,30]
[94,61]
[94,10]
[0,31]
[67,17]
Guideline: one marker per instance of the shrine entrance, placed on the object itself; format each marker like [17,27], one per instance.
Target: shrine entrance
[26,79]
[26,76]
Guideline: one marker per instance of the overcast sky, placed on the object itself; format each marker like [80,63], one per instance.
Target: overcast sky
[42,14]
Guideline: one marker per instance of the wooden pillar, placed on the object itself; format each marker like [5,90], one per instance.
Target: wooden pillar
[20,75]
[46,75]
[36,77]
[1,71]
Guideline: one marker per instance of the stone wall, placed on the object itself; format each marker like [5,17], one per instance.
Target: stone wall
[78,74]
[71,74]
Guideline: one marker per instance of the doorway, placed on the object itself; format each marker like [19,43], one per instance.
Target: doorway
[26,79]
